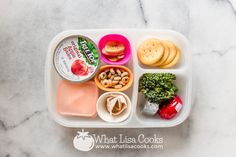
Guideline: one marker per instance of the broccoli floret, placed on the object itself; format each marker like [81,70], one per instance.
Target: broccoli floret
[157,87]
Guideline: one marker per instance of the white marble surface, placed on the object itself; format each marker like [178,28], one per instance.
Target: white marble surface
[27,26]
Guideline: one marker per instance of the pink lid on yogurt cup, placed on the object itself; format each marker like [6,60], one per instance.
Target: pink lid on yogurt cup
[118,38]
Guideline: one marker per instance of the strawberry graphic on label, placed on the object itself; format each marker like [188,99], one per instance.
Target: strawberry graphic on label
[79,68]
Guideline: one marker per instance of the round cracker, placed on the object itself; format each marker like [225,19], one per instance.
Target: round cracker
[165,55]
[150,51]
[174,62]
[172,52]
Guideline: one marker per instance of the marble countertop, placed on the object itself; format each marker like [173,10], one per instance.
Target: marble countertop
[26,28]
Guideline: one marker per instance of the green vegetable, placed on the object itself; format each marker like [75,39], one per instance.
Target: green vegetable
[157,87]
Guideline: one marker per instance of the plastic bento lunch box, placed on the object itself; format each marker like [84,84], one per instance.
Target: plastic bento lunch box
[56,71]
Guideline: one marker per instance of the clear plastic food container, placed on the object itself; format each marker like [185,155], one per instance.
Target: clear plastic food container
[183,72]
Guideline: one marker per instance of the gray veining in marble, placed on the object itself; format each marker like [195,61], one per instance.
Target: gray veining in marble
[26,28]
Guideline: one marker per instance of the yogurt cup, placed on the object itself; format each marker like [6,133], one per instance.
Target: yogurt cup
[76,58]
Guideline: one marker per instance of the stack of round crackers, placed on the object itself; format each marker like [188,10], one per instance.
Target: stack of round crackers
[158,53]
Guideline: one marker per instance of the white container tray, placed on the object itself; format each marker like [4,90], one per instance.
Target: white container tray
[183,72]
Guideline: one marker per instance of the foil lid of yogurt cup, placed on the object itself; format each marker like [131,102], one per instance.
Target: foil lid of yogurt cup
[76,58]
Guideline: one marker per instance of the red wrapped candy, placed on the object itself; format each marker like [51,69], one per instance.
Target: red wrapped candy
[171,108]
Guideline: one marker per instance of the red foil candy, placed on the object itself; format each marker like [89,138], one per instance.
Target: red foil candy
[171,109]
